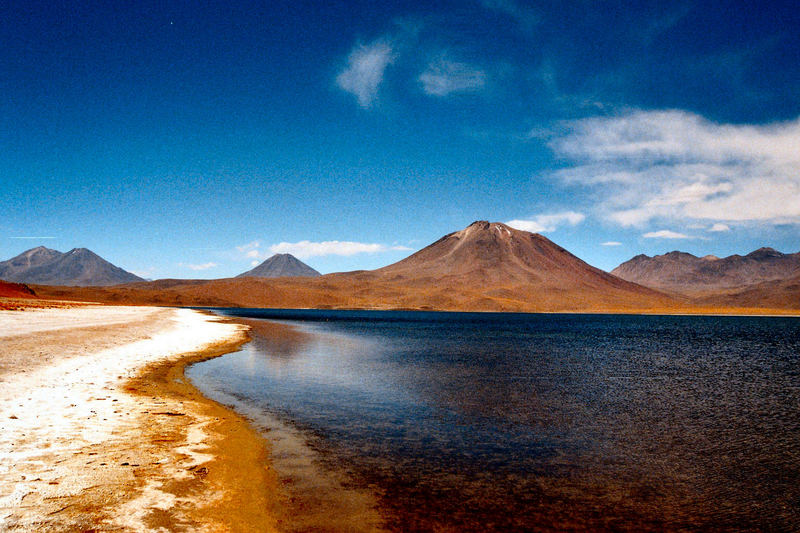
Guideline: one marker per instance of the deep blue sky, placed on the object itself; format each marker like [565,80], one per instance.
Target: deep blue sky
[168,138]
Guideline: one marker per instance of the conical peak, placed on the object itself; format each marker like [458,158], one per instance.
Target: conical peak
[81,251]
[483,226]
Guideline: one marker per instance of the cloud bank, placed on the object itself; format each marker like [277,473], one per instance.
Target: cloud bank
[203,266]
[307,249]
[546,223]
[676,165]
[665,234]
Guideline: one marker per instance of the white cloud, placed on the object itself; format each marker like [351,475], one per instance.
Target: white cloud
[443,77]
[203,266]
[545,223]
[251,253]
[364,72]
[719,227]
[611,243]
[678,166]
[254,263]
[306,249]
[249,246]
[665,234]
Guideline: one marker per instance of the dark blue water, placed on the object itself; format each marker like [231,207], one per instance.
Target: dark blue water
[519,422]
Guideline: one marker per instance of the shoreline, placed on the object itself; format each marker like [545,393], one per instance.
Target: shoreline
[234,467]
[117,438]
[703,312]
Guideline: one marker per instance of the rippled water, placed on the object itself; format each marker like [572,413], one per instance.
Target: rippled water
[503,422]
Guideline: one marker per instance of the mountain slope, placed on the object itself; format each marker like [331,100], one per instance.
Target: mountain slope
[35,257]
[280,266]
[690,275]
[78,267]
[776,294]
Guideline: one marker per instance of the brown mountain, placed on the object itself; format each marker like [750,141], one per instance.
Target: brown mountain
[280,266]
[689,275]
[484,267]
[78,267]
[500,259]
[15,267]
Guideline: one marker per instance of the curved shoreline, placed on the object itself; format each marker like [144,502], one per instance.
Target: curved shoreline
[232,487]
[116,438]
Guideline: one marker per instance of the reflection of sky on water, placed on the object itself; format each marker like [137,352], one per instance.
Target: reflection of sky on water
[649,422]
[324,360]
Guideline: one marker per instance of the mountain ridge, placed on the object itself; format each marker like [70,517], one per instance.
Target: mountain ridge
[79,267]
[687,274]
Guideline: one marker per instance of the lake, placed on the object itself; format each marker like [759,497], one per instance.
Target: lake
[523,422]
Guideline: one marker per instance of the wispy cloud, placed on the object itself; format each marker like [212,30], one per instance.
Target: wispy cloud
[443,77]
[249,251]
[249,246]
[525,16]
[665,234]
[718,227]
[202,266]
[32,238]
[678,166]
[364,72]
[611,243]
[546,223]
[306,249]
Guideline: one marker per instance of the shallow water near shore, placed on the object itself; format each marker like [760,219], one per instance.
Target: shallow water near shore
[520,422]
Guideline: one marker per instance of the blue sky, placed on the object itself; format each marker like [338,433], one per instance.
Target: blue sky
[191,140]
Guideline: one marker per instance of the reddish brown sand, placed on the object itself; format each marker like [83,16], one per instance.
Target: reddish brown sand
[15,290]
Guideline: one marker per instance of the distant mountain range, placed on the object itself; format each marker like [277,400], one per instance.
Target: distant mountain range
[281,266]
[689,275]
[78,267]
[484,267]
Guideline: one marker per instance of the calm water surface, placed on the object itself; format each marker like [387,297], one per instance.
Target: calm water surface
[519,422]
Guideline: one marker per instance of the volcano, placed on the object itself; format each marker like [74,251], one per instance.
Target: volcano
[495,264]
[280,266]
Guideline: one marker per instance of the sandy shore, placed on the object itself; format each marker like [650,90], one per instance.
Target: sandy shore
[100,432]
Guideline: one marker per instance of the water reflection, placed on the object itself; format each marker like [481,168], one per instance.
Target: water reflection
[540,422]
